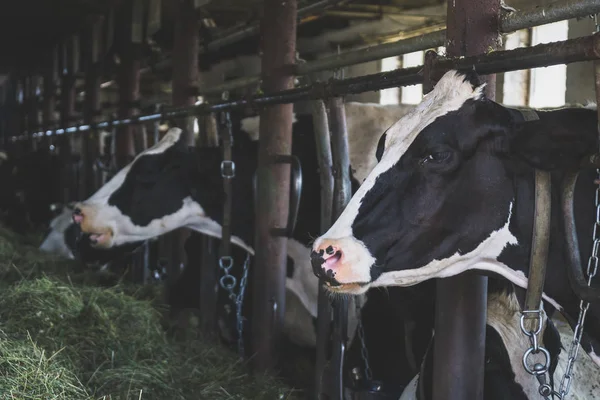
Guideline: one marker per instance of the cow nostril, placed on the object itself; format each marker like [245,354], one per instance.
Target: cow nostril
[330,250]
[77,211]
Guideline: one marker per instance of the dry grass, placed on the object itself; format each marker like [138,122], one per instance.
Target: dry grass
[70,334]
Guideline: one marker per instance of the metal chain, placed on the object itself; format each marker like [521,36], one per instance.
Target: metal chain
[592,270]
[228,282]
[539,370]
[364,352]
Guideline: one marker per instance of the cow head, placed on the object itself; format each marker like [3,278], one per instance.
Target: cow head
[441,197]
[166,187]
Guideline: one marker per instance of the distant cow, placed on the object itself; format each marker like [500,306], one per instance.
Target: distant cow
[454,190]
[64,238]
[169,186]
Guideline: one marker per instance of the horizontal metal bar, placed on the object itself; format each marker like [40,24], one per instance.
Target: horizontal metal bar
[509,23]
[585,48]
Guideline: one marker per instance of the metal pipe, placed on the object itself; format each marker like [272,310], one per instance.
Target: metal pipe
[510,23]
[237,34]
[323,145]
[461,300]
[273,185]
[585,48]
[342,193]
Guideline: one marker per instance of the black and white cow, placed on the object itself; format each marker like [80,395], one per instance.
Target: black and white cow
[169,186]
[454,190]
[65,239]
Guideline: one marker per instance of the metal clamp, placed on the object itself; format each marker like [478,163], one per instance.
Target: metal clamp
[227,169]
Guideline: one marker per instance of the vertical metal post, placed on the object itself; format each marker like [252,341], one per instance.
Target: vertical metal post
[461,301]
[323,145]
[185,73]
[33,107]
[67,112]
[342,193]
[278,42]
[186,45]
[209,286]
[129,85]
[49,102]
[91,108]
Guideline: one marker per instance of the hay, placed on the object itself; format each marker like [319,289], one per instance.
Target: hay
[68,339]
[29,372]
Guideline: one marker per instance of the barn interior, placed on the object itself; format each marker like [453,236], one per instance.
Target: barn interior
[79,62]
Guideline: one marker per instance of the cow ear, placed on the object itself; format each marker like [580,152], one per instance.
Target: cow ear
[552,146]
[472,77]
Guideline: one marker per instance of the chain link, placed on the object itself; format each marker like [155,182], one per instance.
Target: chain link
[228,283]
[592,270]
[364,352]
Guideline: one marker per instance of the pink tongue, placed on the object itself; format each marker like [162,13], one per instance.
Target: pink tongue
[332,260]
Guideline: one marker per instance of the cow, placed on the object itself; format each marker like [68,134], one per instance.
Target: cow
[64,238]
[453,190]
[400,346]
[504,375]
[169,186]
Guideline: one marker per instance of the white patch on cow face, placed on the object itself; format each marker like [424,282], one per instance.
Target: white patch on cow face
[365,122]
[449,94]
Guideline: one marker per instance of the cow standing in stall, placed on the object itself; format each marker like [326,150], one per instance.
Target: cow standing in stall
[453,191]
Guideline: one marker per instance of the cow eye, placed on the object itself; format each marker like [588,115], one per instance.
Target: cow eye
[437,157]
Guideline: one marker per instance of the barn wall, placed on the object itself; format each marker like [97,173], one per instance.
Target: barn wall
[580,78]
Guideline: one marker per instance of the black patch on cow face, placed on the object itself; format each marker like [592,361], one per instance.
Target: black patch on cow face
[446,194]
[164,177]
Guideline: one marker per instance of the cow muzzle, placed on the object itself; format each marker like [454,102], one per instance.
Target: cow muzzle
[343,264]
[85,217]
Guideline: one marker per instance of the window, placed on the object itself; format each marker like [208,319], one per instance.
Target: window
[516,83]
[412,94]
[391,95]
[549,84]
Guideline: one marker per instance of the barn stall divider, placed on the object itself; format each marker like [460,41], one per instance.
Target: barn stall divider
[485,25]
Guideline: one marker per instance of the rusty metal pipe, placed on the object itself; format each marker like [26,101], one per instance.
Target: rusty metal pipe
[342,193]
[323,144]
[461,300]
[273,184]
[585,48]
[510,23]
